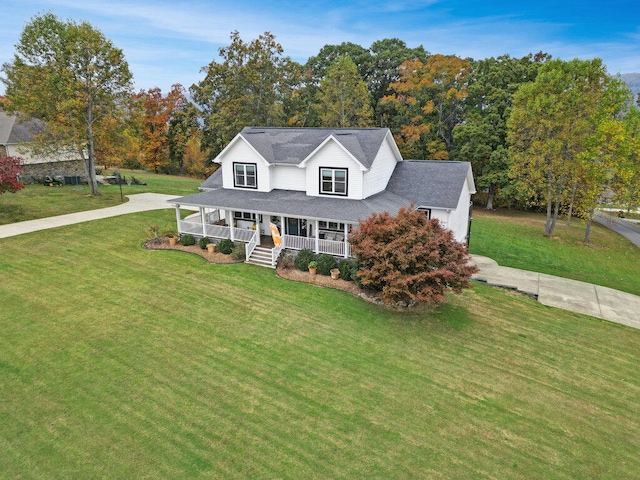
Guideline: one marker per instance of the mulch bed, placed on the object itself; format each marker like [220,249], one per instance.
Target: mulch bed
[216,257]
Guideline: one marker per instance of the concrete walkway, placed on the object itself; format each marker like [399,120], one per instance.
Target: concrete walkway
[140,202]
[572,295]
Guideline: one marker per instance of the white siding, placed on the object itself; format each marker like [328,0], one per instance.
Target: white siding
[441,215]
[459,221]
[376,179]
[332,155]
[29,157]
[241,152]
[288,178]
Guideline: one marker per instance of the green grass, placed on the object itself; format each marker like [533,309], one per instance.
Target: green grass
[38,201]
[119,362]
[516,239]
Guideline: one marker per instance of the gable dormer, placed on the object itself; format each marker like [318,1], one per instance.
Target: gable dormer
[243,168]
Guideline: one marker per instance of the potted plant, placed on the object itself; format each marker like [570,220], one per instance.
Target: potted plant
[335,273]
[313,266]
[172,236]
[211,247]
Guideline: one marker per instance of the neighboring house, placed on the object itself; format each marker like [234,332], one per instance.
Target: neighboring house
[15,136]
[315,185]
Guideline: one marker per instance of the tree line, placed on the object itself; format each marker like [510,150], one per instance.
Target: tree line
[539,132]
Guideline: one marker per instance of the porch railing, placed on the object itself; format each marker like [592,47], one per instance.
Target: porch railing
[215,231]
[338,249]
[251,245]
[275,253]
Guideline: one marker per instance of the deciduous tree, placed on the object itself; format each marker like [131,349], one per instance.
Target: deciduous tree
[408,257]
[71,77]
[429,98]
[10,168]
[552,121]
[249,87]
[343,98]
[157,113]
[482,138]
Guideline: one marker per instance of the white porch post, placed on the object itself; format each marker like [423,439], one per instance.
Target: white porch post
[228,219]
[282,226]
[346,243]
[204,227]
[317,231]
[178,218]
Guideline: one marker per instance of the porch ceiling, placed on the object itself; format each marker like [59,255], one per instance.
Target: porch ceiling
[295,204]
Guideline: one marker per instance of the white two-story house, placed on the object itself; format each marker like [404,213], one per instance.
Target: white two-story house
[314,185]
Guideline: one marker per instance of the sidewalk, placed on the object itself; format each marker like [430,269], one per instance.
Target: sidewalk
[572,295]
[140,202]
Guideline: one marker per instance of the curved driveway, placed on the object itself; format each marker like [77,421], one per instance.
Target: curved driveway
[625,228]
[139,202]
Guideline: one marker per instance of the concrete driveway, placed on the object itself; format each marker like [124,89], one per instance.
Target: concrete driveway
[572,295]
[140,202]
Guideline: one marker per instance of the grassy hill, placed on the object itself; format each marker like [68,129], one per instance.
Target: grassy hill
[119,362]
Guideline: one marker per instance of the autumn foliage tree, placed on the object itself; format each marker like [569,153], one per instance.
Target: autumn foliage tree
[428,98]
[10,168]
[70,76]
[158,110]
[408,257]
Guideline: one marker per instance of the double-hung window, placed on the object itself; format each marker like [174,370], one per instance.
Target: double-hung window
[245,175]
[333,181]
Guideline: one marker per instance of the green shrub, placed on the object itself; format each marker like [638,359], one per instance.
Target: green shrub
[239,252]
[226,246]
[326,263]
[187,239]
[204,241]
[303,258]
[348,268]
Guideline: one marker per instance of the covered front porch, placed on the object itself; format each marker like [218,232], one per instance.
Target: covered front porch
[254,229]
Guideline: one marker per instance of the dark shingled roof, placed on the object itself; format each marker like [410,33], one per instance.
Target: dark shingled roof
[13,130]
[435,184]
[430,183]
[292,145]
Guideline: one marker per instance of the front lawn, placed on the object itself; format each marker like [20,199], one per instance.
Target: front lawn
[516,239]
[38,201]
[120,362]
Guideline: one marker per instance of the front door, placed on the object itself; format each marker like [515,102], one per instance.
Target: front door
[292,226]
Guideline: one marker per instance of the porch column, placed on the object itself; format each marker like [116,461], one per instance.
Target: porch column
[317,230]
[228,219]
[178,218]
[346,243]
[204,228]
[282,227]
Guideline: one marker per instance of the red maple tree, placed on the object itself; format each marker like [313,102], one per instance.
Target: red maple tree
[10,168]
[410,258]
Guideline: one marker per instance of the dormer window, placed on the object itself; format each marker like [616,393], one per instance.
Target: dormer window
[333,181]
[245,175]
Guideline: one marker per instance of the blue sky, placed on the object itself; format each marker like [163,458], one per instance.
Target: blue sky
[169,42]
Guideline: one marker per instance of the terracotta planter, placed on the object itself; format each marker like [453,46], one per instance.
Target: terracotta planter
[211,247]
[173,241]
[335,274]
[313,270]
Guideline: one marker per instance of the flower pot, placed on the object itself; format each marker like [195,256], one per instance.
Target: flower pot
[313,270]
[173,241]
[335,273]
[211,247]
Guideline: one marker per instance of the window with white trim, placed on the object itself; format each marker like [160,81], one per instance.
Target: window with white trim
[245,175]
[333,181]
[426,211]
